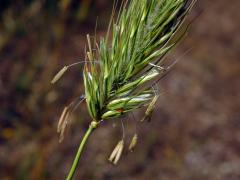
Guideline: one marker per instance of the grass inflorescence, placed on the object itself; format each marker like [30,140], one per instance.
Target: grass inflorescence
[119,76]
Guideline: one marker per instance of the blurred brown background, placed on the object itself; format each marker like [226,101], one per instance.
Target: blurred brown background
[194,133]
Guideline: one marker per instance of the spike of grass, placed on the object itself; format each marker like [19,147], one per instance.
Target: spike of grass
[141,35]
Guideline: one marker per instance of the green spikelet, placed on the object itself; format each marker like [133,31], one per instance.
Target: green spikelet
[142,35]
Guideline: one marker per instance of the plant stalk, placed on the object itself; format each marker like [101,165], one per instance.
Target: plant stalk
[72,171]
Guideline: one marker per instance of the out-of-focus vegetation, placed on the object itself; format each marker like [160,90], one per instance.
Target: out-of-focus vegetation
[37,38]
[194,133]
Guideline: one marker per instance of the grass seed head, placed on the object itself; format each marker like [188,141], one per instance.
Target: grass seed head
[142,34]
[119,74]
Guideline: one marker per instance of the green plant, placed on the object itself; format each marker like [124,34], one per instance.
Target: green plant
[119,76]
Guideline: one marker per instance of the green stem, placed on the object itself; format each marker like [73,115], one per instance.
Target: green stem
[71,173]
